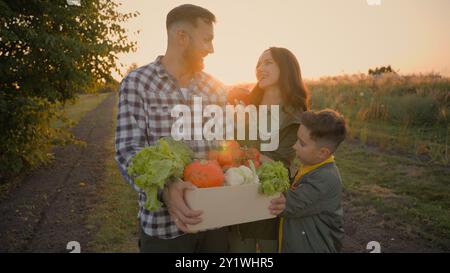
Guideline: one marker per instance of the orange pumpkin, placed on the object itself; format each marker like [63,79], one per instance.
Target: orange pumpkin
[204,174]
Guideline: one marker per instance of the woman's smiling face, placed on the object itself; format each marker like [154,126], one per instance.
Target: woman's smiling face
[267,71]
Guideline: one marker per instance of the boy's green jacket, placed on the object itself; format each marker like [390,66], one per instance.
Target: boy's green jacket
[313,218]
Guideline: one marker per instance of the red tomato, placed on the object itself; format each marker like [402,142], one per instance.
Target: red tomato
[256,163]
[253,154]
[238,157]
[225,158]
[232,145]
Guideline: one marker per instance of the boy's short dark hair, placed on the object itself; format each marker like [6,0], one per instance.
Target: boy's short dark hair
[327,127]
[189,13]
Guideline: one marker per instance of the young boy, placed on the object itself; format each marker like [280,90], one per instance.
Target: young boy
[313,218]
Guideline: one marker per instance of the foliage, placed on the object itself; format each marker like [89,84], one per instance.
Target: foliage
[49,53]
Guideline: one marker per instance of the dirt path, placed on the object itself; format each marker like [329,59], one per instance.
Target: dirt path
[51,205]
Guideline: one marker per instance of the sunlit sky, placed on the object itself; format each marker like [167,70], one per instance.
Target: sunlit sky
[329,37]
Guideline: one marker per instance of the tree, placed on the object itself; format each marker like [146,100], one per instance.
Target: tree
[50,52]
[132,67]
[382,70]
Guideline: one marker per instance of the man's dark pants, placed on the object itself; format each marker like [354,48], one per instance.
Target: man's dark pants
[211,241]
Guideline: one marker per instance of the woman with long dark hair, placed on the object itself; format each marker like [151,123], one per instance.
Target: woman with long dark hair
[279,83]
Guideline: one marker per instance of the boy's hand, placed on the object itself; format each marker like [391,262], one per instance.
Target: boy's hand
[278,205]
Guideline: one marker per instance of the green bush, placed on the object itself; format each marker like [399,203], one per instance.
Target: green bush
[50,52]
[27,135]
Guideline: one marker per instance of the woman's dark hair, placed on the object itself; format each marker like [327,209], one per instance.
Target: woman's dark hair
[189,13]
[294,92]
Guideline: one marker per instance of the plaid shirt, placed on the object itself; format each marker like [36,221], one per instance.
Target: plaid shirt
[146,98]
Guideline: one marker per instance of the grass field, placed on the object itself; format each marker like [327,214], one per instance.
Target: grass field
[412,197]
[114,217]
[85,103]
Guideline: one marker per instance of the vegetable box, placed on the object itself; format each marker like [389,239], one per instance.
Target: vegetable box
[230,205]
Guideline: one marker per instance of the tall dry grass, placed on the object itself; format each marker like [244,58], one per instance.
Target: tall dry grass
[409,113]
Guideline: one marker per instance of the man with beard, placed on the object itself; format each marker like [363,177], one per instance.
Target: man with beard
[146,98]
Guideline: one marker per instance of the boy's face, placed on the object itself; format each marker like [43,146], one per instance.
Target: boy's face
[307,150]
